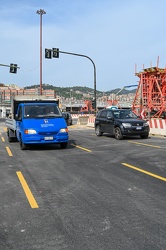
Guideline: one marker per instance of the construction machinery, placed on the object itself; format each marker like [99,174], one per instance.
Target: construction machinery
[150,97]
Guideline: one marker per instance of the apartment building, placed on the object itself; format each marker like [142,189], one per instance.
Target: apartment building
[8,91]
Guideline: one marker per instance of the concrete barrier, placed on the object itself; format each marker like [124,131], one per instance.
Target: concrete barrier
[157,126]
[75,116]
[91,121]
[82,120]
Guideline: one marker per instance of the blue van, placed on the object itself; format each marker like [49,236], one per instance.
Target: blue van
[38,123]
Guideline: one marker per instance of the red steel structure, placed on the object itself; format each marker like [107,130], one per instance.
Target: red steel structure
[150,98]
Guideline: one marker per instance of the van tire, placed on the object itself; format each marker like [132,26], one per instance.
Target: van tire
[63,145]
[22,145]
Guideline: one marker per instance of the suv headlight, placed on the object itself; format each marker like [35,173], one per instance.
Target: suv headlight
[126,125]
[145,124]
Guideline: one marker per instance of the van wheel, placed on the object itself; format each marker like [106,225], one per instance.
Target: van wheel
[63,145]
[98,131]
[118,134]
[22,145]
[10,139]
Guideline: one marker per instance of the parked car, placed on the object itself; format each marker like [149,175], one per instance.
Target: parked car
[120,123]
[68,118]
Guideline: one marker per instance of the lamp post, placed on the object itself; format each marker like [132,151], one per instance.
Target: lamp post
[70,100]
[40,12]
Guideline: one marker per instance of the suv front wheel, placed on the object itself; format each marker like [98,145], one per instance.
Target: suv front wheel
[98,130]
[118,134]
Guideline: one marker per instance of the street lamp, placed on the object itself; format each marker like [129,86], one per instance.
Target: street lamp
[40,12]
[70,100]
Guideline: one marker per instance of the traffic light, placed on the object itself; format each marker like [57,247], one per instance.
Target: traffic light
[94,103]
[48,53]
[13,68]
[55,52]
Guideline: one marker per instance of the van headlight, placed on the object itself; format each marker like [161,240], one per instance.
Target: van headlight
[63,130]
[126,125]
[30,132]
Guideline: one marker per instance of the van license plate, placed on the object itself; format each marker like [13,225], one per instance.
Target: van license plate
[49,138]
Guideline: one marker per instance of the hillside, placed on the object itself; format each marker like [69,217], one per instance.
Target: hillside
[79,91]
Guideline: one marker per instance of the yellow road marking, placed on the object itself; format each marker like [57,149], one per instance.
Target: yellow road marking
[145,172]
[148,145]
[5,129]
[81,148]
[3,139]
[9,151]
[27,191]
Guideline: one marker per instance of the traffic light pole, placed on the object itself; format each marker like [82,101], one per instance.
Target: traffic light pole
[74,54]
[13,66]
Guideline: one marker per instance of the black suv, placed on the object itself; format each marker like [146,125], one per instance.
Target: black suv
[120,123]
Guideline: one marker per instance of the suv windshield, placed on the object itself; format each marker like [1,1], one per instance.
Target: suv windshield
[41,111]
[124,114]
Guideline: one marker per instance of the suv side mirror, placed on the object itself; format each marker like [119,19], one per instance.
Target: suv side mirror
[110,118]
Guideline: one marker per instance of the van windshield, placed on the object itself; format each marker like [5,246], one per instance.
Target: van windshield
[38,111]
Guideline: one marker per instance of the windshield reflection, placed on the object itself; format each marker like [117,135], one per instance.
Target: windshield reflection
[124,114]
[41,111]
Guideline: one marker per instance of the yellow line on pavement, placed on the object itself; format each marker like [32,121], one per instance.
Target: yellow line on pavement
[3,139]
[148,145]
[88,150]
[145,172]
[9,151]
[5,129]
[27,191]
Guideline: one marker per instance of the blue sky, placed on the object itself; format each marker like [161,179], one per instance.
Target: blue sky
[115,34]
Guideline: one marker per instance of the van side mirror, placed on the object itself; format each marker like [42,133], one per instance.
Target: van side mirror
[17,118]
[64,115]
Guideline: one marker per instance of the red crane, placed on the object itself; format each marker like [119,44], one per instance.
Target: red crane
[150,97]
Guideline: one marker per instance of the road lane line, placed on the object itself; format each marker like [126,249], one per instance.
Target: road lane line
[3,139]
[145,172]
[5,129]
[9,151]
[148,145]
[88,150]
[27,191]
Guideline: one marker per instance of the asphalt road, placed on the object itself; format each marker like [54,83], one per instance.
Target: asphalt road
[98,194]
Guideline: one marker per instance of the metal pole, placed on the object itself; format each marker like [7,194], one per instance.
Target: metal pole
[40,12]
[94,71]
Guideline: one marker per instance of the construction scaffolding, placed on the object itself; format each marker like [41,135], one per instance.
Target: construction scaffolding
[150,97]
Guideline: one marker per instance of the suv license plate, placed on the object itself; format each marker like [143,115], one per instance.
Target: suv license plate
[138,128]
[49,138]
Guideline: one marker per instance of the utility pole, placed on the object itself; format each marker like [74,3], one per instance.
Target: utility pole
[40,12]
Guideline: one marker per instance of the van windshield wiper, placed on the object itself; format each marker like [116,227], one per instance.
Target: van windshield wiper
[48,115]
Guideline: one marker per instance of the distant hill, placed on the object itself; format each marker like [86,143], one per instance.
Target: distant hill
[78,91]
